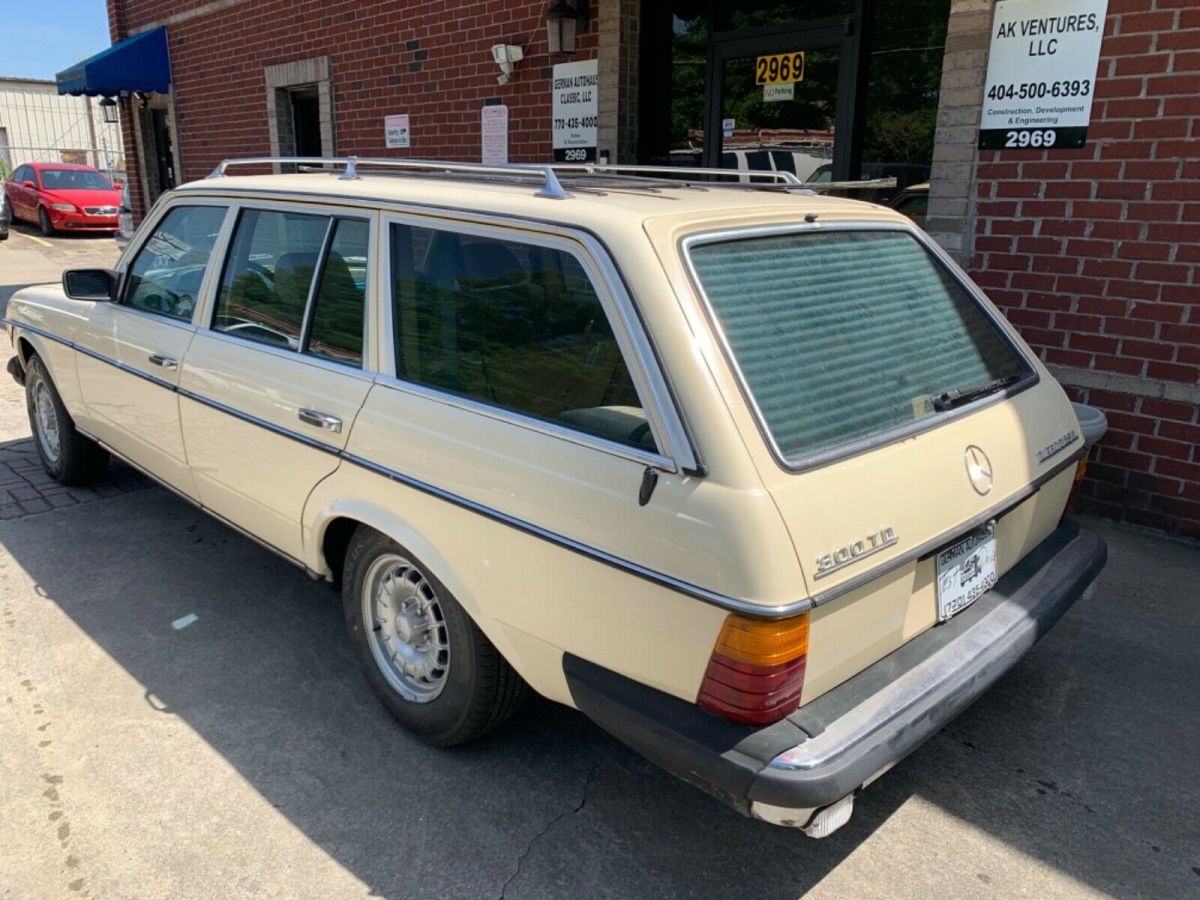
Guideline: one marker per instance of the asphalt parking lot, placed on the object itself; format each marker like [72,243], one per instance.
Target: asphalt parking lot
[181,717]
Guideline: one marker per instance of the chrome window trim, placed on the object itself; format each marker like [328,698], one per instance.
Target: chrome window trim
[329,365]
[636,353]
[828,456]
[686,453]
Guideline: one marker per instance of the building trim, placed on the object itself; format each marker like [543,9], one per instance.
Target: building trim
[206,9]
[1134,385]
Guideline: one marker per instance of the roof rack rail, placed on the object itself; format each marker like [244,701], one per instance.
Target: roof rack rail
[551,187]
[785,179]
[548,174]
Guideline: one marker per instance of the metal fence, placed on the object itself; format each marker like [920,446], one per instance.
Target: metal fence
[38,125]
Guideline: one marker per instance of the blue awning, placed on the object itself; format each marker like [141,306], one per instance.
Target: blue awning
[139,63]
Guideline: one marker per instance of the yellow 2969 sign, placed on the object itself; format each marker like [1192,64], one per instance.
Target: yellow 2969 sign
[779,68]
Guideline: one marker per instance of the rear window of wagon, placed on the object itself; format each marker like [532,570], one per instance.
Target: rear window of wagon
[844,336]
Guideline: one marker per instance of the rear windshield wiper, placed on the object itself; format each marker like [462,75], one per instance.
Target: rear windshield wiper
[958,396]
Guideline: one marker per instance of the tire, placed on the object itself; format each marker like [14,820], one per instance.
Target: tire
[67,456]
[443,699]
[44,222]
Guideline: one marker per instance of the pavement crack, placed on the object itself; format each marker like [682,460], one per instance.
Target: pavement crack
[578,807]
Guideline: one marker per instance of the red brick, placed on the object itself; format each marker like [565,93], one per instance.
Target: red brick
[1059,265]
[1147,350]
[1144,250]
[1174,468]
[1116,231]
[1171,84]
[1151,171]
[1130,327]
[1112,400]
[1097,209]
[1158,312]
[1183,293]
[1139,108]
[1133,290]
[1179,431]
[1092,343]
[1098,266]
[1151,129]
[1074,284]
[1168,409]
[1131,422]
[1177,190]
[1120,364]
[1068,190]
[1163,272]
[1017,189]
[1173,372]
[1061,227]
[1139,462]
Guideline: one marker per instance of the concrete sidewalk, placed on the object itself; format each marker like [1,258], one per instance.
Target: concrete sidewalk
[180,716]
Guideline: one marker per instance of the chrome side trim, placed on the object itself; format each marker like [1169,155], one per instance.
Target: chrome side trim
[593,553]
[261,423]
[662,579]
[869,442]
[948,536]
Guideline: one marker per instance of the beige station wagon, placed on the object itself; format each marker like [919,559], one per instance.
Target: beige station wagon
[755,478]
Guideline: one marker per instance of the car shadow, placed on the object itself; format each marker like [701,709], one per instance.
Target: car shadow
[550,804]
[27,228]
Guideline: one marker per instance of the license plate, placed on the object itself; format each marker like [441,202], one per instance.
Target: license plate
[966,571]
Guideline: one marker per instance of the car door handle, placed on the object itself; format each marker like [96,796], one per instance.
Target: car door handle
[321,420]
[165,361]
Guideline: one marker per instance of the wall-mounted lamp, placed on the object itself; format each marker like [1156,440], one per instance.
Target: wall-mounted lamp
[108,108]
[563,21]
[506,57]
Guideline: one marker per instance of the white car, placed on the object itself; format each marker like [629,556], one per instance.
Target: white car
[756,479]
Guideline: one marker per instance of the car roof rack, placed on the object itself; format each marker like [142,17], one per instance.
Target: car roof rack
[548,175]
[551,186]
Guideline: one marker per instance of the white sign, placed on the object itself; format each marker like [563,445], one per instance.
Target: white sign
[773,93]
[395,131]
[1041,73]
[494,123]
[727,126]
[574,111]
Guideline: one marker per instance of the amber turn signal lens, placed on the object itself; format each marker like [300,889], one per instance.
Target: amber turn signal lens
[756,672]
[763,643]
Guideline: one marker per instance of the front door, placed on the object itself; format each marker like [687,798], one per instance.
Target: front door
[274,379]
[133,349]
[784,99]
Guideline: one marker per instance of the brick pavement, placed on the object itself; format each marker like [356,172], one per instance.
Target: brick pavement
[26,489]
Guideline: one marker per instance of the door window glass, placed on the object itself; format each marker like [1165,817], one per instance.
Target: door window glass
[337,318]
[511,324]
[268,274]
[166,275]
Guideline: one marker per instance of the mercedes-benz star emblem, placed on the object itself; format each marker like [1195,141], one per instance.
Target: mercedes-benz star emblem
[979,469]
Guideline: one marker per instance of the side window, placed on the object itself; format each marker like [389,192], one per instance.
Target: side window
[21,175]
[336,331]
[264,290]
[167,272]
[513,324]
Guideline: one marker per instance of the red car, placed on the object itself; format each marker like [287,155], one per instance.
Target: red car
[63,197]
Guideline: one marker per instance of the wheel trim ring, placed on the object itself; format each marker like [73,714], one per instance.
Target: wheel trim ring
[411,648]
[46,421]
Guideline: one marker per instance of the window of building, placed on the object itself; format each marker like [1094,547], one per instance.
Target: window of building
[167,273]
[514,325]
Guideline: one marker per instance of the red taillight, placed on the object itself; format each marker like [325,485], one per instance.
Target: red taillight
[756,673]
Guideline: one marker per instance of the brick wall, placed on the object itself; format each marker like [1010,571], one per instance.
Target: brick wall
[1093,255]
[429,60]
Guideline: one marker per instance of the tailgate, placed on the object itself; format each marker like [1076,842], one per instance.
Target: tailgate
[897,414]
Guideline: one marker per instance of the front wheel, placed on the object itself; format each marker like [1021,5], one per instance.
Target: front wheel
[434,670]
[67,456]
[44,222]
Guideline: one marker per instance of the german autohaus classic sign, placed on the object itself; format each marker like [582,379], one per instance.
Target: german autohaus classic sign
[574,111]
[1041,73]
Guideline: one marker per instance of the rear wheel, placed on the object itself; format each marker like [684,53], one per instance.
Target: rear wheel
[67,456]
[44,221]
[434,670]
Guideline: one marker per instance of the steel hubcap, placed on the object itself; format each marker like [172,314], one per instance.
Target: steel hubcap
[405,628]
[46,420]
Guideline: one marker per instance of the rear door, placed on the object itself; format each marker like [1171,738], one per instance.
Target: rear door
[896,416]
[275,377]
[131,350]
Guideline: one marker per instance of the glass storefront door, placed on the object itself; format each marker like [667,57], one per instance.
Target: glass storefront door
[782,99]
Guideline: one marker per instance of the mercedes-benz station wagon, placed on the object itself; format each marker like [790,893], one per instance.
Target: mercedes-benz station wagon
[757,479]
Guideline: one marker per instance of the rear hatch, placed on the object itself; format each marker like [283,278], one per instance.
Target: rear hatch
[900,422]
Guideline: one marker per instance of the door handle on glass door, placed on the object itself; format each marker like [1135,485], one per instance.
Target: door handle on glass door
[321,420]
[165,361]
